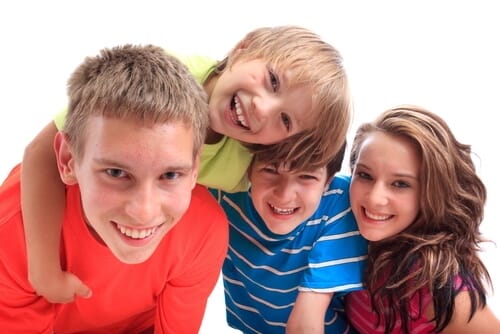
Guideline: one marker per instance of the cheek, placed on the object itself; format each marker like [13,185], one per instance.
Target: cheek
[95,202]
[410,207]
[353,191]
[178,203]
[312,199]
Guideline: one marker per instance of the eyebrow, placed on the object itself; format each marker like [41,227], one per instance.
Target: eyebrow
[179,167]
[404,175]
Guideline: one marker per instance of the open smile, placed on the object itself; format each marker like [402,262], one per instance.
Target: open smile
[237,115]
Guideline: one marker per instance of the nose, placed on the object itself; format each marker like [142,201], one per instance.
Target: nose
[265,106]
[378,194]
[283,190]
[144,205]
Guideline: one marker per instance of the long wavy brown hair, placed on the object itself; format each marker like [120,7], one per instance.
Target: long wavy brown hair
[443,242]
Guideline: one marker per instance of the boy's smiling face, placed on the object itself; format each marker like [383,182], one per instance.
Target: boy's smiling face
[284,199]
[253,103]
[135,181]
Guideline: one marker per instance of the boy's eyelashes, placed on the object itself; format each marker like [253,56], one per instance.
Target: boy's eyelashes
[286,121]
[274,81]
[305,175]
[118,173]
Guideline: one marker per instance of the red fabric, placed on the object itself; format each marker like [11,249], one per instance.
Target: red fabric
[363,319]
[168,290]
[360,314]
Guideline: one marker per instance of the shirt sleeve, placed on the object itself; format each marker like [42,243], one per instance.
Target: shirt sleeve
[336,261]
[21,310]
[224,166]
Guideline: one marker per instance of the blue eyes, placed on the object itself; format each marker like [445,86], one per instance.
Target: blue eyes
[273,79]
[171,175]
[119,173]
[115,172]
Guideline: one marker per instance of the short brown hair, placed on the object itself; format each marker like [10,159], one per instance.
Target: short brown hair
[142,83]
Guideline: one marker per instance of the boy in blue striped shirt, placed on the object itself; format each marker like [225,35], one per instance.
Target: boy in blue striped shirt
[294,249]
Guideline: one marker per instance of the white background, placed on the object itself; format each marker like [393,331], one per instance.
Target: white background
[442,55]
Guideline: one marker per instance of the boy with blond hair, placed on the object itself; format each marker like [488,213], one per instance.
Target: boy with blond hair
[137,228]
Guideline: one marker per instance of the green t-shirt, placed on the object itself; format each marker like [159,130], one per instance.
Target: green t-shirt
[223,165]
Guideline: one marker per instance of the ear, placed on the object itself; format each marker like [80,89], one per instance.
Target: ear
[65,159]
[250,169]
[327,183]
[196,168]
[241,45]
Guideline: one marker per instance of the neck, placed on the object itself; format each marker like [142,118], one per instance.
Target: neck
[212,137]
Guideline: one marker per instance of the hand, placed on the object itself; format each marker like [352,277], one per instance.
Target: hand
[60,287]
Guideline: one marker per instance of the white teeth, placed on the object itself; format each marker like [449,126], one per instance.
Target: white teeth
[239,112]
[281,211]
[137,234]
[376,217]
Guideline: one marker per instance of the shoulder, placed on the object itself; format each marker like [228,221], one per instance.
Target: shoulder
[200,66]
[201,198]
[13,267]
[341,182]
[337,193]
[205,210]
[10,196]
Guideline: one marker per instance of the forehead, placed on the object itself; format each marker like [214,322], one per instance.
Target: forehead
[389,151]
[131,139]
[287,168]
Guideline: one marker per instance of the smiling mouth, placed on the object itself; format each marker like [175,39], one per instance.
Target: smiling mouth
[376,217]
[137,234]
[237,113]
[282,211]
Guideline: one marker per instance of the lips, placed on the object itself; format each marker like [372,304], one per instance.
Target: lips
[282,211]
[137,234]
[376,217]
[237,115]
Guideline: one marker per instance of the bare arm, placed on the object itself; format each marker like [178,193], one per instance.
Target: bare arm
[308,314]
[484,320]
[43,201]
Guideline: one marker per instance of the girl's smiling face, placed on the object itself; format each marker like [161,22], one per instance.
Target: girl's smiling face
[385,187]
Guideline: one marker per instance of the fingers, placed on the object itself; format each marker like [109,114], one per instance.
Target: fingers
[83,291]
[64,288]
[77,287]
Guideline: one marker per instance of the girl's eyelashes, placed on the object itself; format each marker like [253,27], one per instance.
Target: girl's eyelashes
[401,184]
[364,175]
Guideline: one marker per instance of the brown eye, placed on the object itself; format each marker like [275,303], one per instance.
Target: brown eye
[286,121]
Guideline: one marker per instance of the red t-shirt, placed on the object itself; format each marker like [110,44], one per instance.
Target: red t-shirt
[169,290]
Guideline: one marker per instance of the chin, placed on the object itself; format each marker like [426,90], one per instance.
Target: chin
[135,256]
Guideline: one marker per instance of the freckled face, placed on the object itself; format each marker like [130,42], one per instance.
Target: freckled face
[253,103]
[135,182]
[285,199]
[385,187]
